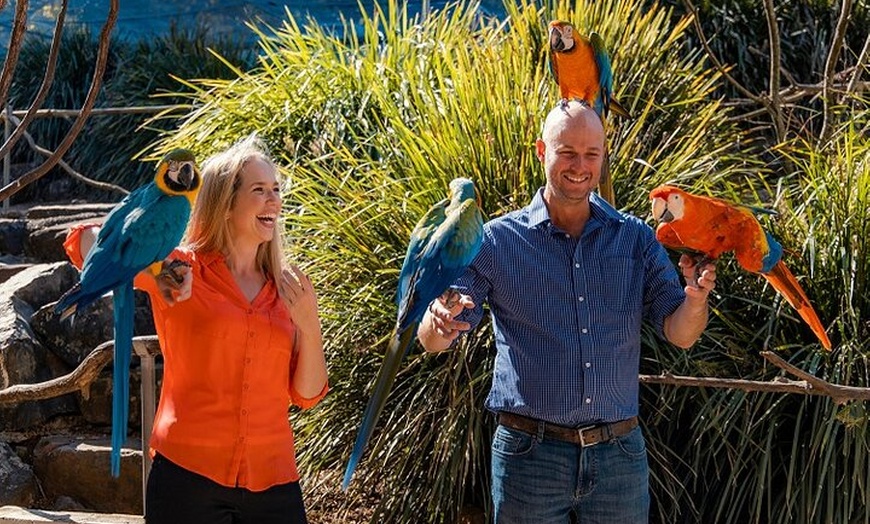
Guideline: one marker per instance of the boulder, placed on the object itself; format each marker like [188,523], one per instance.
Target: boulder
[17,483]
[13,232]
[78,468]
[73,340]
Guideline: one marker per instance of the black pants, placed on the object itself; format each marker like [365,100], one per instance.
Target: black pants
[177,496]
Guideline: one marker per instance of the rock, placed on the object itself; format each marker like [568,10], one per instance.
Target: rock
[73,341]
[23,360]
[8,271]
[13,232]
[40,284]
[69,212]
[79,468]
[17,483]
[96,409]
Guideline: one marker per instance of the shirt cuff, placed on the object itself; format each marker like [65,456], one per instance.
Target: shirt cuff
[304,403]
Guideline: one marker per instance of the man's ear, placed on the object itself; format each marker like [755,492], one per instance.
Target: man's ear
[540,148]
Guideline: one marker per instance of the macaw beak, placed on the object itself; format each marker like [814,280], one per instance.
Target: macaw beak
[661,213]
[556,43]
[186,175]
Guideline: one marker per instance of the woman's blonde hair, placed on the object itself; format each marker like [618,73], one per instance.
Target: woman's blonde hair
[221,177]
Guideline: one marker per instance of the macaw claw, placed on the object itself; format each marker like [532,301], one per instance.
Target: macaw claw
[170,269]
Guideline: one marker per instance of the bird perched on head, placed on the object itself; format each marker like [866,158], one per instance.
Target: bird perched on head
[711,227]
[581,68]
[443,244]
[137,234]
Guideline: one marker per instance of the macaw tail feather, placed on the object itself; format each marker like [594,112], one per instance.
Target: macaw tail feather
[785,283]
[399,345]
[605,185]
[123,303]
[619,109]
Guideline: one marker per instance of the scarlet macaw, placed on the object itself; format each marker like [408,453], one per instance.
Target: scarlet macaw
[137,234]
[581,68]
[711,226]
[443,244]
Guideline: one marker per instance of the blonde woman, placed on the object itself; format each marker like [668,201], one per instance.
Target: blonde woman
[241,341]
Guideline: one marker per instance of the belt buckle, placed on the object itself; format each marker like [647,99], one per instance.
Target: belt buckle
[580,432]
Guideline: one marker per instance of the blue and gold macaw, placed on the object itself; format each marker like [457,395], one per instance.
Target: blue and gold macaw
[581,68]
[443,244]
[137,234]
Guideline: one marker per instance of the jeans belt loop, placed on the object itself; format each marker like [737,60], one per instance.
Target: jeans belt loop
[542,429]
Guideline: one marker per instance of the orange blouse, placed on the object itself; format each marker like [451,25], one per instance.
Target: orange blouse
[227,386]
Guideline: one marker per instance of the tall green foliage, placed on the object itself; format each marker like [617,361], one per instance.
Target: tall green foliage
[371,125]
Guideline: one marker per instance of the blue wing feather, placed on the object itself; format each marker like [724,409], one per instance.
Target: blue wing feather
[605,75]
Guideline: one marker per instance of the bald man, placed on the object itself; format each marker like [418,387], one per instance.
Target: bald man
[569,281]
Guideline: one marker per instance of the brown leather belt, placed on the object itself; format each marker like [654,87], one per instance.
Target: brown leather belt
[584,437]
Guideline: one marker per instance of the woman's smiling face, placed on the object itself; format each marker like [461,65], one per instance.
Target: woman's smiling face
[257,204]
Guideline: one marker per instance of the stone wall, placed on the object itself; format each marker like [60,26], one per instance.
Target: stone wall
[54,454]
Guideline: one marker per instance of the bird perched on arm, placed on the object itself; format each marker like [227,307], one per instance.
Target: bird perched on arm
[711,227]
[581,68]
[137,234]
[443,244]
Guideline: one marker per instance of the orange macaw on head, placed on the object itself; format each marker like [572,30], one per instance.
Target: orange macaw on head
[581,68]
[711,226]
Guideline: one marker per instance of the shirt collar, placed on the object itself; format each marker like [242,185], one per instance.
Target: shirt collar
[600,209]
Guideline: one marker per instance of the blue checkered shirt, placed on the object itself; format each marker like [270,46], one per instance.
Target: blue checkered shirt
[567,313]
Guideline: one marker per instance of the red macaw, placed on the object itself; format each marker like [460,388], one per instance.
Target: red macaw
[711,226]
[581,68]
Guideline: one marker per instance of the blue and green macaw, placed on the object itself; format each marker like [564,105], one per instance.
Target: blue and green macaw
[581,68]
[137,234]
[443,244]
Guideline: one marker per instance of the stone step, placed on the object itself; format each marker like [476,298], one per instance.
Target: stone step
[18,515]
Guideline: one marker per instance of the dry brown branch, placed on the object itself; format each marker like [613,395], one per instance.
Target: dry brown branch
[81,377]
[77,380]
[66,167]
[96,82]
[16,38]
[807,385]
[831,63]
[860,66]
[774,77]
[47,80]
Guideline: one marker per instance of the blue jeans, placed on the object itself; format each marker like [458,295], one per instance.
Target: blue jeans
[541,481]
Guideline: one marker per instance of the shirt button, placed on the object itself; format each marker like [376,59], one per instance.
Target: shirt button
[588,400]
[589,364]
[242,439]
[244,412]
[581,299]
[248,360]
[251,334]
[584,330]
[245,387]
[577,265]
